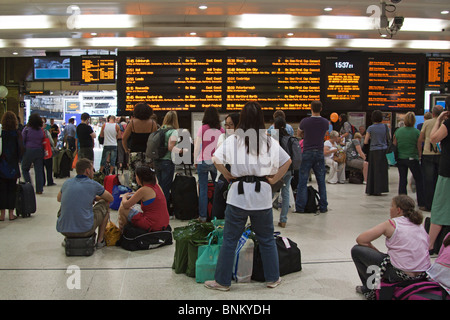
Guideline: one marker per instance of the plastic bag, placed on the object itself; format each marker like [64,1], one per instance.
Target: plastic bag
[205,266]
[243,259]
[112,234]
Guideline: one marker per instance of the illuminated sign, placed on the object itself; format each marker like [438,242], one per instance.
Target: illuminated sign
[98,69]
[393,83]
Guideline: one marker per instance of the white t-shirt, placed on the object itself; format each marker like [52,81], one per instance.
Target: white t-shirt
[110,134]
[331,145]
[233,151]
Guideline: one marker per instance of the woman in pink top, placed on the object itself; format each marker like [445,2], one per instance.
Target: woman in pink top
[407,243]
[204,147]
[440,270]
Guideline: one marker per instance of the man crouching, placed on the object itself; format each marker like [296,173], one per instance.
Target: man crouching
[78,217]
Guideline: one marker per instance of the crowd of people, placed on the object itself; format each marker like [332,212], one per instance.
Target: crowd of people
[251,159]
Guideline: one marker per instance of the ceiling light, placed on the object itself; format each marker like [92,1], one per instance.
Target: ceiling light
[25,22]
[424,25]
[47,42]
[290,34]
[328,9]
[371,43]
[193,33]
[203,7]
[106,21]
[179,41]
[112,42]
[344,23]
[15,53]
[429,44]
[445,12]
[309,42]
[265,21]
[244,41]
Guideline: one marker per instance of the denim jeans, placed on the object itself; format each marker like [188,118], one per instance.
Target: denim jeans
[414,166]
[165,170]
[262,225]
[364,257]
[311,159]
[430,169]
[284,192]
[34,156]
[112,150]
[203,168]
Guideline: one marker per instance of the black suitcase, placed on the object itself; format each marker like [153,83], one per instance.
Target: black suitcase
[25,199]
[80,246]
[184,196]
[134,238]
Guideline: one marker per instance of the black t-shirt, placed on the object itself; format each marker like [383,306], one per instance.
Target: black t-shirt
[84,135]
[444,164]
[54,130]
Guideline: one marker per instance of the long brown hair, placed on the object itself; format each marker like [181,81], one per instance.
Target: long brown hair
[408,207]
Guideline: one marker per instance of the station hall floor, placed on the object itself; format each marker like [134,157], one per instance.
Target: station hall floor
[33,264]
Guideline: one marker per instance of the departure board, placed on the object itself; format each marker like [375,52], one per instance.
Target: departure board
[278,79]
[275,81]
[438,71]
[173,82]
[393,83]
[98,69]
[343,83]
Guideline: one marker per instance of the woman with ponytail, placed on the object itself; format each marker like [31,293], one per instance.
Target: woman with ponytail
[407,241]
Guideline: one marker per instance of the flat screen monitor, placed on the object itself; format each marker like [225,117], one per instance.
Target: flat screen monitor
[52,68]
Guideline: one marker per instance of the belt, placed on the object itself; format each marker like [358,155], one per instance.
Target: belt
[250,179]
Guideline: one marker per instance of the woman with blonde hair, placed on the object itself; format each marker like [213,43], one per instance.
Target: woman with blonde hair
[330,148]
[409,152]
[164,166]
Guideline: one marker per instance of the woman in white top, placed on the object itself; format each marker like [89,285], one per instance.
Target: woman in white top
[110,131]
[257,161]
[337,170]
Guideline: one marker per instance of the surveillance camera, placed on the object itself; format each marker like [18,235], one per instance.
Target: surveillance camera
[396,1]
[395,26]
[398,21]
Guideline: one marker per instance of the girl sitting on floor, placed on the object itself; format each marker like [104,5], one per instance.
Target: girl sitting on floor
[153,215]
[407,243]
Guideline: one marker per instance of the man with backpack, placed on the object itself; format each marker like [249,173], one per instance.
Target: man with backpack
[313,129]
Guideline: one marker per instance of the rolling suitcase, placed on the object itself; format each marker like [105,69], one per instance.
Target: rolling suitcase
[184,195]
[25,199]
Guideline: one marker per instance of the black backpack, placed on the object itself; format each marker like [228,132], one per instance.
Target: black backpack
[134,238]
[156,144]
[292,146]
[312,204]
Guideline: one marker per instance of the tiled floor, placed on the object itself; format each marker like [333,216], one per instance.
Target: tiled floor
[33,264]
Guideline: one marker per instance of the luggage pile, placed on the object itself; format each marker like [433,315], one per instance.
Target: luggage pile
[197,248]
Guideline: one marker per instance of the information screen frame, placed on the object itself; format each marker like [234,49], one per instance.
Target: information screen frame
[219,87]
[99,59]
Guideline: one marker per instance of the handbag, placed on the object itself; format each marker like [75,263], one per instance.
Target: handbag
[47,147]
[75,160]
[205,266]
[339,156]
[112,234]
[391,151]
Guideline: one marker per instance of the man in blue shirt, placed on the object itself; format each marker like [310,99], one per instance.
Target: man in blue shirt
[313,129]
[78,217]
[69,134]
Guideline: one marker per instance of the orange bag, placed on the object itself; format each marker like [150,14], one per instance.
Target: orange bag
[75,160]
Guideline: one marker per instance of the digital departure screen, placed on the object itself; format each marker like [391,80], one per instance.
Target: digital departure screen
[98,69]
[343,83]
[438,71]
[275,81]
[173,82]
[287,80]
[394,83]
